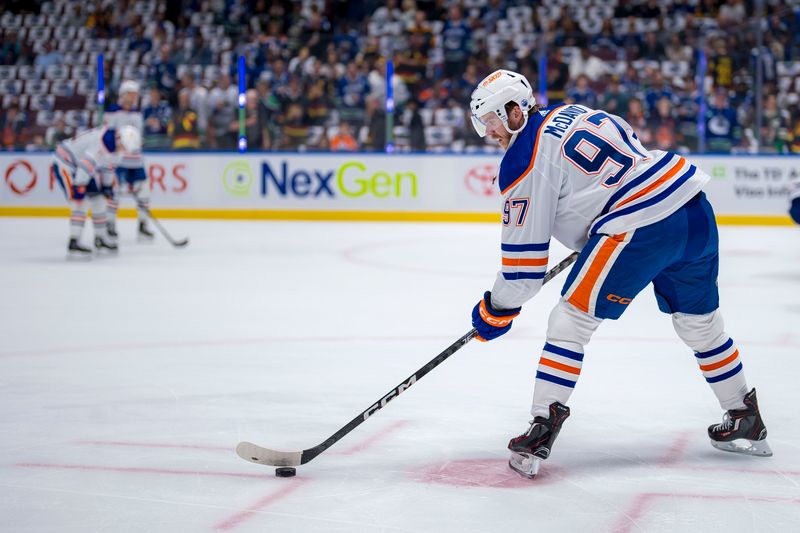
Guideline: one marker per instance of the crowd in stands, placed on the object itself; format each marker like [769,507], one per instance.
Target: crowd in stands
[315,69]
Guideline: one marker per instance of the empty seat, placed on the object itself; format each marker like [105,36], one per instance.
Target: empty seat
[20,99]
[28,72]
[77,118]
[57,72]
[7,72]
[42,102]
[64,32]
[63,87]
[37,87]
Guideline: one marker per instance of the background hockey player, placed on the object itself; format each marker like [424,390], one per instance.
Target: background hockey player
[637,217]
[794,199]
[131,175]
[84,167]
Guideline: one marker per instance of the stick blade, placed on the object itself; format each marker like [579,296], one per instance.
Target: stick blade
[263,456]
[181,243]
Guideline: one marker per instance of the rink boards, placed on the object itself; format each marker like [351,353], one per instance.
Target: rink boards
[364,186]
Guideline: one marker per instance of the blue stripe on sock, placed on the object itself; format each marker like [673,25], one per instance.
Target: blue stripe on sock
[715,351]
[563,352]
[522,275]
[534,247]
[726,375]
[555,379]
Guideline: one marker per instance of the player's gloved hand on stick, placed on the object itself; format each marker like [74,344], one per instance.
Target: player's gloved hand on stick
[107,191]
[491,322]
[78,192]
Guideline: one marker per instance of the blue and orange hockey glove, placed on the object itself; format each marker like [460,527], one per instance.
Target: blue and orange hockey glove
[491,322]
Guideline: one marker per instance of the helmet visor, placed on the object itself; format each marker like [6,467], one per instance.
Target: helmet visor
[489,121]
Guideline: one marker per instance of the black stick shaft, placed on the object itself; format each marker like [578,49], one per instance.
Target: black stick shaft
[310,453]
[157,223]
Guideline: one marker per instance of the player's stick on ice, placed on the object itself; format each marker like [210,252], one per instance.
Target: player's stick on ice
[257,454]
[176,243]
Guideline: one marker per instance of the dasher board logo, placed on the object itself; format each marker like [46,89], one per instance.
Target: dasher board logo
[238,178]
[480,179]
[21,177]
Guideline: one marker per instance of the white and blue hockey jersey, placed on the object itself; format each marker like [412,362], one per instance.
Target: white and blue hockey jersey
[573,172]
[89,155]
[116,117]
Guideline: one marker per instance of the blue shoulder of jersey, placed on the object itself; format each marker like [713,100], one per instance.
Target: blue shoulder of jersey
[110,140]
[518,158]
[112,108]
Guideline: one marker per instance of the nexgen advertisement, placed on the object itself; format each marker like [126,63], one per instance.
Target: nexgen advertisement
[423,187]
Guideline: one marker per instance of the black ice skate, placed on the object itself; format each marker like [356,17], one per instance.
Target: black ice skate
[144,232]
[103,245]
[742,430]
[76,250]
[532,447]
[111,228]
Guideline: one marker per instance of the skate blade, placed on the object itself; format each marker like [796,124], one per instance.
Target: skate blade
[524,464]
[79,256]
[758,448]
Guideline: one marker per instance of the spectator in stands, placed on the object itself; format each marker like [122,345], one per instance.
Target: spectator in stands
[416,128]
[613,99]
[678,49]
[140,42]
[581,93]
[317,32]
[164,72]
[201,52]
[663,126]
[456,39]
[156,114]
[255,127]
[723,132]
[12,127]
[318,104]
[184,124]
[10,49]
[376,125]
[59,132]
[657,89]
[638,120]
[586,63]
[49,57]
[294,128]
[352,90]
[198,100]
[652,47]
[557,76]
[344,141]
[269,108]
[222,125]
[223,90]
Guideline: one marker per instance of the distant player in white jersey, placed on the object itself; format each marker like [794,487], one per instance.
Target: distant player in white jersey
[84,167]
[131,175]
[637,217]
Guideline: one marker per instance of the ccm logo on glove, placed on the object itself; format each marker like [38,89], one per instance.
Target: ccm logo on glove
[491,322]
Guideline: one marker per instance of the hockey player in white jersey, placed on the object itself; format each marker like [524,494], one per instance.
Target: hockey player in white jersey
[582,177]
[84,168]
[131,175]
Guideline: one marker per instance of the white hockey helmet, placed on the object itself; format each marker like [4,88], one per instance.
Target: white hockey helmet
[494,92]
[128,86]
[130,139]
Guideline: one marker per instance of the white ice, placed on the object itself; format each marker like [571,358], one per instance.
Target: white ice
[126,383]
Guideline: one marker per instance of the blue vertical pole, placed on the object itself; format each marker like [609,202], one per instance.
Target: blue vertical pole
[389,108]
[701,97]
[542,96]
[101,89]
[242,102]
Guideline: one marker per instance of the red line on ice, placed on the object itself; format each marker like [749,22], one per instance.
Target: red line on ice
[258,506]
[638,507]
[142,470]
[675,450]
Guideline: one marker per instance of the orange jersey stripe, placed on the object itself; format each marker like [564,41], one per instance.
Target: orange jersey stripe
[720,364]
[516,261]
[533,155]
[670,173]
[559,366]
[583,293]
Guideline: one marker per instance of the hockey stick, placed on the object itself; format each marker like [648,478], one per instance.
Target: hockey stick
[179,243]
[256,454]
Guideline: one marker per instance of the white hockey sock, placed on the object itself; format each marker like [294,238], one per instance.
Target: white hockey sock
[77,219]
[716,355]
[99,218]
[111,209]
[569,330]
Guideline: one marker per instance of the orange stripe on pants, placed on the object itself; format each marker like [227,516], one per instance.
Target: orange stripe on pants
[720,364]
[583,293]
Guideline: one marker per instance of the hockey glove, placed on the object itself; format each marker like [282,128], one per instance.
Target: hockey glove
[491,322]
[78,192]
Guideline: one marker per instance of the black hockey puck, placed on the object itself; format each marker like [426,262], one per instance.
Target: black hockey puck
[285,471]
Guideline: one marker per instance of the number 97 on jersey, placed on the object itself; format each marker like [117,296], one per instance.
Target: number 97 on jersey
[515,210]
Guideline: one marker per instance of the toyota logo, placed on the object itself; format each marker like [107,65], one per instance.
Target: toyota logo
[480,179]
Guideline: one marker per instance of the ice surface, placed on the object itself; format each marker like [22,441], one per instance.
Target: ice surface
[126,383]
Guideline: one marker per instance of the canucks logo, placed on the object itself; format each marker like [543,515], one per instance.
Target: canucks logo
[238,178]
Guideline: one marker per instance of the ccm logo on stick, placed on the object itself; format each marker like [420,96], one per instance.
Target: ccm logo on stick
[389,397]
[618,299]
